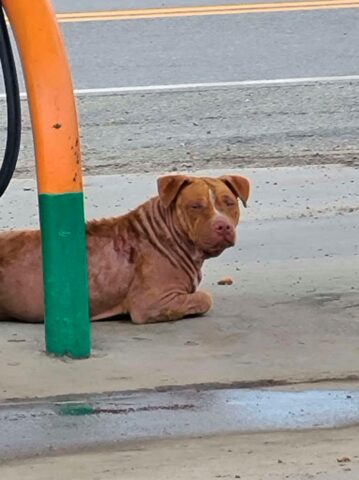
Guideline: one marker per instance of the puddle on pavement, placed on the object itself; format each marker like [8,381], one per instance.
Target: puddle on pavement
[104,420]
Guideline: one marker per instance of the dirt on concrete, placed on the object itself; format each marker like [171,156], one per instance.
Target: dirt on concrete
[317,454]
[236,127]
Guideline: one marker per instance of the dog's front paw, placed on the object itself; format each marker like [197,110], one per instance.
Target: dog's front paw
[204,302]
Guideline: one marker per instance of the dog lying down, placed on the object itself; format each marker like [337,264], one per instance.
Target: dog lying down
[146,263]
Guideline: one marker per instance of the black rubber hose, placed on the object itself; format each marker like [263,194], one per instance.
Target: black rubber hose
[13,106]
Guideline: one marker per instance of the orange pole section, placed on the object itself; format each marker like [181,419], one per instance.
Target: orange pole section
[49,87]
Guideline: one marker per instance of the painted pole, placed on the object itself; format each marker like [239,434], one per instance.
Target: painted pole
[59,176]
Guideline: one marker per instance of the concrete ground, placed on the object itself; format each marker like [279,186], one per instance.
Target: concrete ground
[320,455]
[290,316]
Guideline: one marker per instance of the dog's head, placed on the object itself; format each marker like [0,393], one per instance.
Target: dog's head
[206,208]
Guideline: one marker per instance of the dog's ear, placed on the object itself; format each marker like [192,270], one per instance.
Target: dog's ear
[169,187]
[240,186]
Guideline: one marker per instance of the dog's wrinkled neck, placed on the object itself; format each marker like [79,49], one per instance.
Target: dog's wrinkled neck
[158,225]
[180,236]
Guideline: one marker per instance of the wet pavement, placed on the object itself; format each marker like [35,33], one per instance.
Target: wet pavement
[64,426]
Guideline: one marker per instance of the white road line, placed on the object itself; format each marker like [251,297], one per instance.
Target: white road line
[199,86]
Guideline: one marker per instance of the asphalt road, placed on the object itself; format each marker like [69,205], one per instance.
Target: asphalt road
[96,5]
[213,49]
[224,127]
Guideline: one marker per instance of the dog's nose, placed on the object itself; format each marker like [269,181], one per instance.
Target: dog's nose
[222,226]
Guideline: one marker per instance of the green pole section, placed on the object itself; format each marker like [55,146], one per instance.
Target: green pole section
[65,269]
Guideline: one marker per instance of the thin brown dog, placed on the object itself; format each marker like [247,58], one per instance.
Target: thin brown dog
[146,263]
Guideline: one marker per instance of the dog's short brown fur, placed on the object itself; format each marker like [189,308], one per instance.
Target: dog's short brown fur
[146,263]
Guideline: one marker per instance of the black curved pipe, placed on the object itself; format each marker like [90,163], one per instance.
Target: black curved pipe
[13,106]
